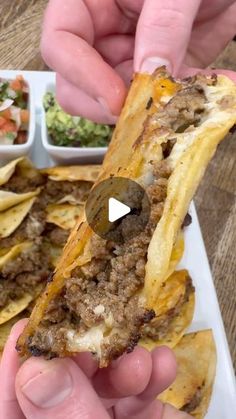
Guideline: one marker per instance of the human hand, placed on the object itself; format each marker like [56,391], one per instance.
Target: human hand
[94,46]
[76,389]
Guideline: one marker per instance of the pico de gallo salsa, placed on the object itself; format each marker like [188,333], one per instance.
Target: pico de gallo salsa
[14,112]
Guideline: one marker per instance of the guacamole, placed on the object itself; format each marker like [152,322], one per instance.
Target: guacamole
[73,131]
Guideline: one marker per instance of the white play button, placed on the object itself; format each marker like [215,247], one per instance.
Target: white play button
[116,210]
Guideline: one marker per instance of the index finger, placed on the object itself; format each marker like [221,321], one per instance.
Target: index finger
[163,33]
[9,366]
[68,35]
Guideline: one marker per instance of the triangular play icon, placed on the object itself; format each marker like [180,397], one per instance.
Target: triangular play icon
[116,209]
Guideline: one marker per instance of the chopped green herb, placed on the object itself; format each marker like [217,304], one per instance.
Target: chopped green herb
[11,135]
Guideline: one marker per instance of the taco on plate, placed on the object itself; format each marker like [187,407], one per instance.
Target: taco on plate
[36,216]
[104,292]
[174,309]
[192,388]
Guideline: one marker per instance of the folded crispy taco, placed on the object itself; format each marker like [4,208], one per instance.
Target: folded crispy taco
[192,388]
[34,227]
[12,218]
[19,181]
[22,168]
[64,215]
[174,309]
[10,199]
[103,293]
[86,173]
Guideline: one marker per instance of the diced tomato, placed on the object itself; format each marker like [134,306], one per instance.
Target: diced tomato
[8,126]
[16,85]
[2,121]
[6,114]
[20,78]
[24,114]
[22,81]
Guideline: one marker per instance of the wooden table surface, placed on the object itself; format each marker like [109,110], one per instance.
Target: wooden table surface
[20,26]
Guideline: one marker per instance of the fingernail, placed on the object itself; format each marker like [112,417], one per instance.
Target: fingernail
[104,104]
[47,386]
[107,110]
[150,64]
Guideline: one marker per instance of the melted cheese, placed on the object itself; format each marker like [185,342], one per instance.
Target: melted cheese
[89,341]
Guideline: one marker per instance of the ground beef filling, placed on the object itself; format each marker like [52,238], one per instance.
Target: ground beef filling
[24,273]
[56,235]
[34,225]
[52,191]
[21,184]
[158,328]
[56,191]
[180,112]
[106,288]
[33,267]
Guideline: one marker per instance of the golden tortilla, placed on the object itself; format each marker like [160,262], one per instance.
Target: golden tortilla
[87,173]
[10,199]
[8,255]
[55,253]
[13,217]
[192,389]
[174,310]
[64,215]
[15,307]
[14,207]
[23,164]
[177,253]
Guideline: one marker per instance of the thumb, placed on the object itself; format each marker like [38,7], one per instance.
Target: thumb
[57,388]
[163,33]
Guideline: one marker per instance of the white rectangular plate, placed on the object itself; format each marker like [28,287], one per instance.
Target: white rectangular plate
[207,313]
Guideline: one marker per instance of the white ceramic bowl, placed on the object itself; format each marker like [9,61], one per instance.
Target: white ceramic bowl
[10,152]
[68,155]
